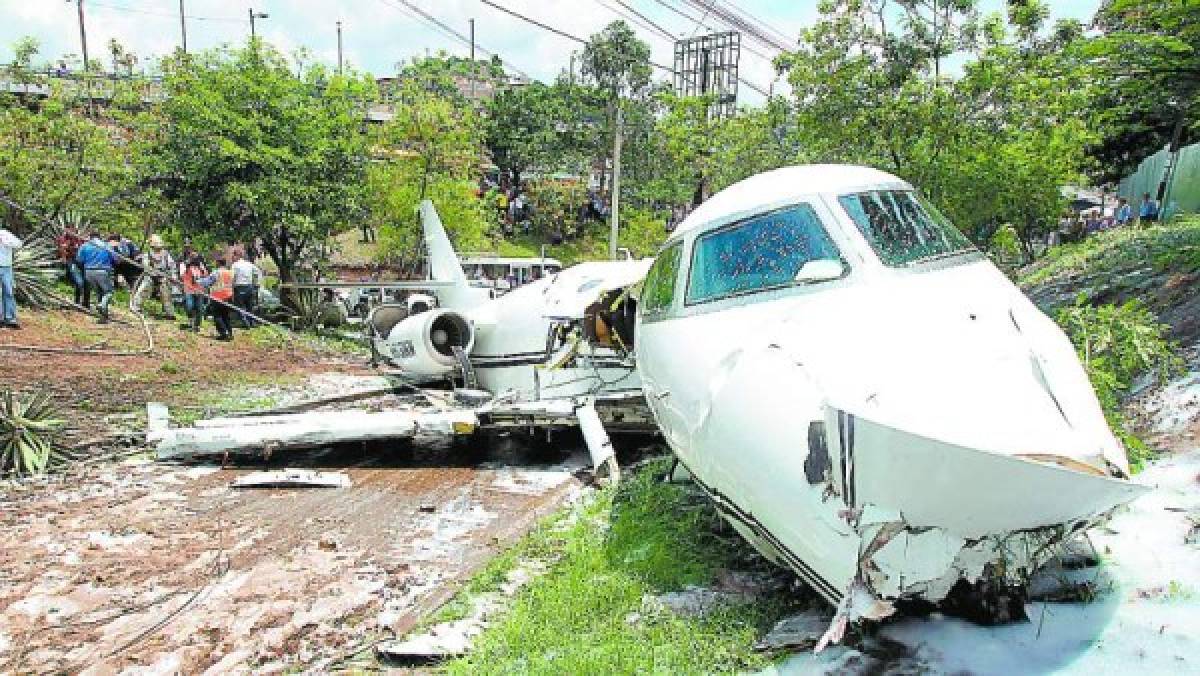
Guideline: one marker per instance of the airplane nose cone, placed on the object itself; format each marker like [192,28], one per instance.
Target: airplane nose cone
[1000,378]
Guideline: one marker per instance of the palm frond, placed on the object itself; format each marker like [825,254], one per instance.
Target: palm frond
[28,427]
[35,266]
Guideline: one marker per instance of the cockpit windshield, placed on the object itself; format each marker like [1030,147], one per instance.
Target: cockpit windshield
[902,228]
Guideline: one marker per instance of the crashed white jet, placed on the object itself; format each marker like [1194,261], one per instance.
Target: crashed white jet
[552,354]
[866,398]
[554,348]
[536,342]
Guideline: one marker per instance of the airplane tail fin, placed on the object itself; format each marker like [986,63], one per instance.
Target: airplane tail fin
[444,265]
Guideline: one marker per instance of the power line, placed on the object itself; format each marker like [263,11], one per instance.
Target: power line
[421,15]
[172,15]
[738,22]
[656,27]
[636,17]
[581,41]
[763,25]
[700,21]
[534,22]
[558,32]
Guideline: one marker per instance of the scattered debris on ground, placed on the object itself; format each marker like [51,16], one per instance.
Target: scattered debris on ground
[131,564]
[796,633]
[293,478]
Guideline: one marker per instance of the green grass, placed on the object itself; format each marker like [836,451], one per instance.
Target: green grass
[592,246]
[1171,246]
[241,393]
[643,538]
[1116,344]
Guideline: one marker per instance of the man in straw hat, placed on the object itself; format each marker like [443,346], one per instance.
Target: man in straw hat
[158,271]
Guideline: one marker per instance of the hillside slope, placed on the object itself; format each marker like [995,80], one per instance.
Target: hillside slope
[1159,266]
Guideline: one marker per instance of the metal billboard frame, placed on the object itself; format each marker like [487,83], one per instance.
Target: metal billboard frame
[708,65]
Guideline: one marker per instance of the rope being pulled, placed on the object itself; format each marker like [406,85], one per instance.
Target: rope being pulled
[47,224]
[146,330]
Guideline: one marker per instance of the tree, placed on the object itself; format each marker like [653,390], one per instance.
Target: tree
[523,128]
[618,63]
[257,151]
[1148,59]
[992,145]
[55,157]
[432,148]
[871,91]
[756,140]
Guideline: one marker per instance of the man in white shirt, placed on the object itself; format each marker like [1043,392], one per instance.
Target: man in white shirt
[247,277]
[9,243]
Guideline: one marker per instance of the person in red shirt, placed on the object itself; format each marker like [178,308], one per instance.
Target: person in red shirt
[68,244]
[195,302]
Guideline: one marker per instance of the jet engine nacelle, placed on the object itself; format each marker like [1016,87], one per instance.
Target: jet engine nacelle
[423,344]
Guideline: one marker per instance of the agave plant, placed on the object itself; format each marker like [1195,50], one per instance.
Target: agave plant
[27,425]
[34,268]
[305,308]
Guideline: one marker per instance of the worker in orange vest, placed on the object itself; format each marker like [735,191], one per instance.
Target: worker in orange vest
[220,289]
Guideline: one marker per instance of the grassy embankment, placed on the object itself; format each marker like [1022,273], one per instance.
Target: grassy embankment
[1112,293]
[587,614]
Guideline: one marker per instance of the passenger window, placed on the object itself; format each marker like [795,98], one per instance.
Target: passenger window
[764,252]
[659,289]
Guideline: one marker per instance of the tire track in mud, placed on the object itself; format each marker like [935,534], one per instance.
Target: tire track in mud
[90,565]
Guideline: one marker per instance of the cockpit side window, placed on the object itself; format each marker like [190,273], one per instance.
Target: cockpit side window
[764,252]
[659,289]
[902,228]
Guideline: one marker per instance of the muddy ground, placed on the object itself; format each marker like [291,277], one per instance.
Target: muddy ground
[186,370]
[125,562]
[172,569]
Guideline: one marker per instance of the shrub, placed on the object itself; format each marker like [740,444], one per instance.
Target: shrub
[555,205]
[1117,344]
[34,267]
[26,428]
[642,231]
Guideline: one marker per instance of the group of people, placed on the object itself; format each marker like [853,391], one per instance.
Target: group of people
[1076,227]
[95,264]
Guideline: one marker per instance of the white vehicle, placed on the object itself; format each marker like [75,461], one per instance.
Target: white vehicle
[504,273]
[866,398]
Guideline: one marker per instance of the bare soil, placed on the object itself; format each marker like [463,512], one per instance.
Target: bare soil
[171,569]
[141,565]
[184,369]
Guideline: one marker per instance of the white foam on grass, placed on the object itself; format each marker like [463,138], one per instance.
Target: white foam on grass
[1146,618]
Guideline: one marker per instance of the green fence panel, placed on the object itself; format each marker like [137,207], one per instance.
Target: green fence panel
[1184,191]
[1184,196]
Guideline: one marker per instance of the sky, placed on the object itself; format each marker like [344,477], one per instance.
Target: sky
[377,34]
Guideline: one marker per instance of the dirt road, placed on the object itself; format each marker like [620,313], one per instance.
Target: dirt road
[171,570]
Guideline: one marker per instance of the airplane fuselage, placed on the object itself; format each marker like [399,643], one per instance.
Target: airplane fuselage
[866,397]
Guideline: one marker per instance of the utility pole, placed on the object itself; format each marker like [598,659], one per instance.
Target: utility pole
[255,15]
[82,34]
[182,27]
[339,31]
[614,218]
[571,73]
[473,71]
